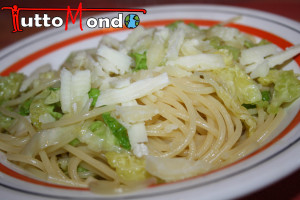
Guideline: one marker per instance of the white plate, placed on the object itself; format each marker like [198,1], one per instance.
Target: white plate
[255,171]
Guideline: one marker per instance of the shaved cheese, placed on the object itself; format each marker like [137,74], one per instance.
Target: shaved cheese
[134,91]
[135,36]
[226,33]
[107,66]
[156,51]
[66,89]
[105,83]
[130,103]
[137,135]
[110,42]
[262,69]
[200,62]
[256,54]
[74,90]
[120,83]
[140,150]
[81,85]
[176,71]
[135,113]
[279,58]
[189,47]
[118,62]
[81,59]
[175,43]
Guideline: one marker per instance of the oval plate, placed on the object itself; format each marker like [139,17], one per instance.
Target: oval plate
[251,173]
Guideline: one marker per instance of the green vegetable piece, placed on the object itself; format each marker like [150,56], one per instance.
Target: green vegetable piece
[239,84]
[101,138]
[140,61]
[218,43]
[74,142]
[53,89]
[47,101]
[286,90]
[193,25]
[81,169]
[94,94]
[249,44]
[271,78]
[5,122]
[263,42]
[38,108]
[262,104]
[234,51]
[53,97]
[63,164]
[9,86]
[265,100]
[127,166]
[118,130]
[266,95]
[54,114]
[249,106]
[174,25]
[97,126]
[24,109]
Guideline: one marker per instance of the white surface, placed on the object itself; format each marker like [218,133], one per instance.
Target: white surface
[240,179]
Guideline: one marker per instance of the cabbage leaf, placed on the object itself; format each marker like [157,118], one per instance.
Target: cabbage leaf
[9,86]
[39,109]
[239,84]
[226,90]
[5,122]
[286,88]
[140,61]
[98,137]
[118,130]
[128,167]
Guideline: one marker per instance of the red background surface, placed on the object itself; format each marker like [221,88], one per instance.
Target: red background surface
[287,188]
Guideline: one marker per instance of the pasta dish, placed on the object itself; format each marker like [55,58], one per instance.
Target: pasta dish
[164,104]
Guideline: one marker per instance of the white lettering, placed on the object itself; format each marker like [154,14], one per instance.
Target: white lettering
[55,24]
[37,19]
[118,20]
[91,22]
[23,22]
[101,20]
[46,19]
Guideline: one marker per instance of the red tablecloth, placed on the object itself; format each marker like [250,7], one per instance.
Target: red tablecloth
[287,188]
